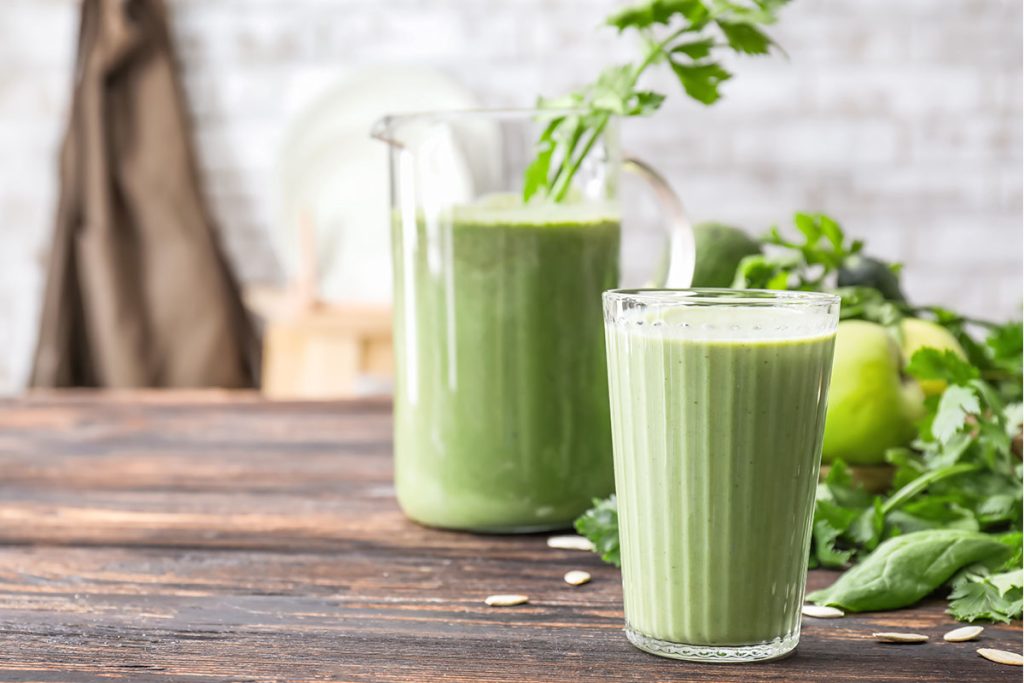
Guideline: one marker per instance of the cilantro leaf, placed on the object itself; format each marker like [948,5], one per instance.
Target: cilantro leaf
[929,363]
[824,552]
[955,405]
[1006,343]
[1006,581]
[745,38]
[701,81]
[646,14]
[806,264]
[695,49]
[1014,542]
[869,527]
[762,271]
[974,600]
[831,520]
[1014,415]
[600,524]
[1003,349]
[644,102]
[867,303]
[995,597]
[840,487]
[1001,507]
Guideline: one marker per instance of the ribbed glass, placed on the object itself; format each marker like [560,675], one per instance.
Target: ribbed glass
[717,404]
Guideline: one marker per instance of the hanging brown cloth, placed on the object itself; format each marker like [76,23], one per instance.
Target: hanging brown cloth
[138,292]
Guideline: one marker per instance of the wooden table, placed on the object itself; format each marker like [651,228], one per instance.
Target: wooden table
[219,537]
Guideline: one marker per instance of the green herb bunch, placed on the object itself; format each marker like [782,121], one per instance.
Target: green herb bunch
[687,35]
[952,516]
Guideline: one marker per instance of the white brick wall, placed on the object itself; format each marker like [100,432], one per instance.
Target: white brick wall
[900,117]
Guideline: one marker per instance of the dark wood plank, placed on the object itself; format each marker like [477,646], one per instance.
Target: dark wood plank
[220,537]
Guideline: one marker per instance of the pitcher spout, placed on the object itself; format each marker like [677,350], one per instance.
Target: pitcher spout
[384,130]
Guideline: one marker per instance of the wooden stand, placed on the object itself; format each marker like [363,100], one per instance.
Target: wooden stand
[316,350]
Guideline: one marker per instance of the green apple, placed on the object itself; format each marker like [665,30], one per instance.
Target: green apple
[871,407]
[918,334]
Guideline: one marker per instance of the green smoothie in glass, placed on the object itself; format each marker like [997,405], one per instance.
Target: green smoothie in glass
[718,403]
[501,410]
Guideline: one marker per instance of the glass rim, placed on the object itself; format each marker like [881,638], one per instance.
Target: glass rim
[720,296]
[494,113]
[385,124]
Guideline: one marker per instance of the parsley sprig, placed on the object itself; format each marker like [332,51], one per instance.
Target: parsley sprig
[689,36]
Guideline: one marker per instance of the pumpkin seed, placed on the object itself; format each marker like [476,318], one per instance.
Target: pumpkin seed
[822,612]
[1001,656]
[570,543]
[506,600]
[577,577]
[887,637]
[963,634]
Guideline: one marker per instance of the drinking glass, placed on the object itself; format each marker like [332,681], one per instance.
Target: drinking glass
[717,406]
[501,398]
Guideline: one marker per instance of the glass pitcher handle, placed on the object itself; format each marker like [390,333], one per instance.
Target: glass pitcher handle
[678,261]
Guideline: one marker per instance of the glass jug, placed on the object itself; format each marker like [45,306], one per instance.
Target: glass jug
[501,388]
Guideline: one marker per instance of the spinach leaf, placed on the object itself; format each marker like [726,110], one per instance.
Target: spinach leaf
[904,569]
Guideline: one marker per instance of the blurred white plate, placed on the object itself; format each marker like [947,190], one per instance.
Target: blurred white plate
[330,169]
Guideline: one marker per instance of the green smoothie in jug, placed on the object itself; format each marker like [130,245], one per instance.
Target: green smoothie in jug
[501,411]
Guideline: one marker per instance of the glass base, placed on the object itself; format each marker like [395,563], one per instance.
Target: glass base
[760,652]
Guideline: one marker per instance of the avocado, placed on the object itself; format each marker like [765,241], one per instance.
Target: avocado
[720,248]
[864,271]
